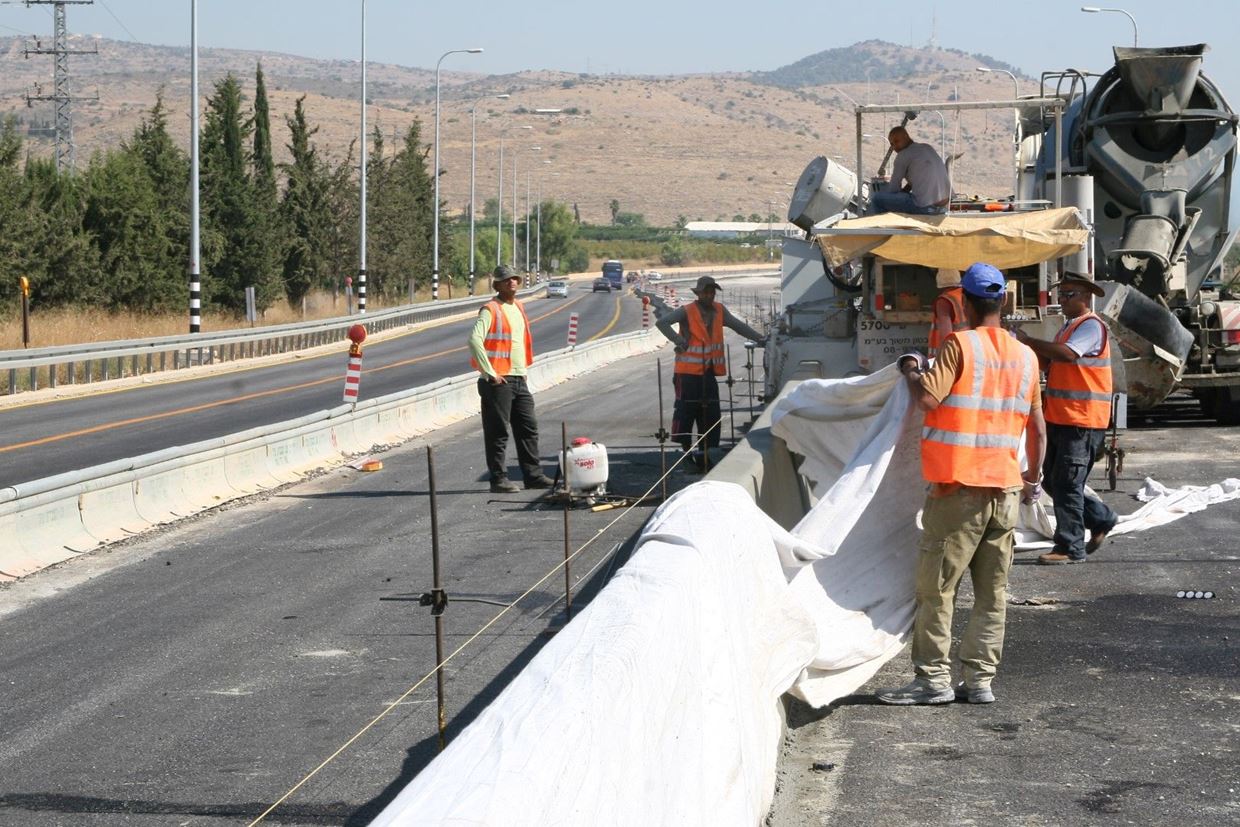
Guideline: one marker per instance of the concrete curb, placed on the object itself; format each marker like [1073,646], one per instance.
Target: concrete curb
[56,518]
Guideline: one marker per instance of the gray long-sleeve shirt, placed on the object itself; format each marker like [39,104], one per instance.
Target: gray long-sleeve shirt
[673,323]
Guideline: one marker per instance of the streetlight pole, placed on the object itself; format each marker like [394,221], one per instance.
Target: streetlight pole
[473,166]
[1015,125]
[1131,19]
[527,228]
[532,149]
[195,244]
[435,264]
[361,244]
[499,200]
[538,242]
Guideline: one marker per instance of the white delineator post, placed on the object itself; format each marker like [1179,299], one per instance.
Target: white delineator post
[572,330]
[353,374]
[645,312]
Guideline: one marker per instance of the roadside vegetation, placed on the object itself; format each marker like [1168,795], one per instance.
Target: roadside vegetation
[105,247]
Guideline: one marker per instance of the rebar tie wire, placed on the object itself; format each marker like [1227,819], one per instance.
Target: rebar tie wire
[476,635]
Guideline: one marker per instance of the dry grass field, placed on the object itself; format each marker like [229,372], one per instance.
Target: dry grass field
[63,326]
[700,146]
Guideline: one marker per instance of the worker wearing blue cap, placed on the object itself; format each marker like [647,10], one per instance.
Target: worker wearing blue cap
[979,396]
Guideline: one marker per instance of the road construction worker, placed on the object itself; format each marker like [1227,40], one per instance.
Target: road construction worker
[501,346]
[1077,407]
[948,309]
[920,183]
[697,331]
[979,397]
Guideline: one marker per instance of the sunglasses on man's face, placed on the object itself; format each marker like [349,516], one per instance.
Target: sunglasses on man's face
[1069,294]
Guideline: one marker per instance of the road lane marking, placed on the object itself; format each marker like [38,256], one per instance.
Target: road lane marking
[219,403]
[230,369]
[615,318]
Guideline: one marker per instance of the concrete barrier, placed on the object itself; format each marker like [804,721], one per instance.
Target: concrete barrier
[51,520]
[110,514]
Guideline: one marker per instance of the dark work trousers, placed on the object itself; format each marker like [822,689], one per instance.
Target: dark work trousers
[697,402]
[509,404]
[1070,455]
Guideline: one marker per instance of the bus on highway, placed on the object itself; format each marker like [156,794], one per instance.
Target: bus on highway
[613,271]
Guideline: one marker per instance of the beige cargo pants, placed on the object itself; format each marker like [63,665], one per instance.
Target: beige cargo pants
[971,529]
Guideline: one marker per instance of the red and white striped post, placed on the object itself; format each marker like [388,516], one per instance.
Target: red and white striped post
[645,312]
[353,375]
[572,330]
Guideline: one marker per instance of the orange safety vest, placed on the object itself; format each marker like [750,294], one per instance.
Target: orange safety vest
[955,297]
[1079,393]
[705,349]
[973,436]
[498,341]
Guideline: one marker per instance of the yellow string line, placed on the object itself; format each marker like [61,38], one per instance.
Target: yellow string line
[476,635]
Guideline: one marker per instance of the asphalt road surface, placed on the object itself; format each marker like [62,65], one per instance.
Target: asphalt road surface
[1118,702]
[195,675]
[50,437]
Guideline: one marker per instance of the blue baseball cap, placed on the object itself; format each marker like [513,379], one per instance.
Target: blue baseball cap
[984,281]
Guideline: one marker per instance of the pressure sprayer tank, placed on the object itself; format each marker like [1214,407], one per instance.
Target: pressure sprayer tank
[587,465]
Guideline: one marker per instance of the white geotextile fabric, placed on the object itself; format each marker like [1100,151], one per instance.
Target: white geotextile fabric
[658,704]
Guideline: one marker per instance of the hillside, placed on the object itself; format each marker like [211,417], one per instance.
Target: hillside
[701,146]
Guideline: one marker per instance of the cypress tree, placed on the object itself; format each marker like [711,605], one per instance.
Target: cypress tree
[264,163]
[404,225]
[18,223]
[237,214]
[306,210]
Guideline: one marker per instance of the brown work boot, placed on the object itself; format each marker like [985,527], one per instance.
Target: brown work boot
[1058,557]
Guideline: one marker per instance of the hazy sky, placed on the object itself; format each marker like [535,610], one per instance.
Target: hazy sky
[644,37]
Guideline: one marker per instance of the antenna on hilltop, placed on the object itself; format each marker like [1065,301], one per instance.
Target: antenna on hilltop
[61,95]
[934,29]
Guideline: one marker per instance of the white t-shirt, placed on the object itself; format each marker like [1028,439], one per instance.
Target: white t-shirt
[1087,339]
[925,172]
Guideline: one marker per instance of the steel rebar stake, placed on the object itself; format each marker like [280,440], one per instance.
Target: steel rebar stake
[749,371]
[662,433]
[568,500]
[731,401]
[437,591]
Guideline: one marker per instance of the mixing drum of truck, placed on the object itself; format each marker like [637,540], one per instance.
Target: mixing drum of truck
[1149,155]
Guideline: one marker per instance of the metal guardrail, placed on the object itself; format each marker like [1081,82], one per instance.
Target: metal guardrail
[34,368]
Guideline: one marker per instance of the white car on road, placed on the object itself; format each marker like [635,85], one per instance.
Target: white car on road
[558,287]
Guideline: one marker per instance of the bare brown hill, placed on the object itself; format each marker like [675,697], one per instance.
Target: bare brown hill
[699,146]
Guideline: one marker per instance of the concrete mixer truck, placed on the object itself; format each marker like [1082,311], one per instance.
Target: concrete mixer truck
[1125,176]
[1148,155]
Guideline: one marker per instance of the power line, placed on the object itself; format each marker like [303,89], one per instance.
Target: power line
[118,21]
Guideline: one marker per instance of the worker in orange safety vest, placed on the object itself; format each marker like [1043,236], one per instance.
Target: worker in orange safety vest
[697,331]
[501,347]
[948,309]
[1077,405]
[979,397]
